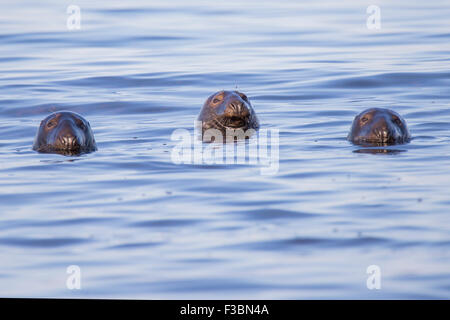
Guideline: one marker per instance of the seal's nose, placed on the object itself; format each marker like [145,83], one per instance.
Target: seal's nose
[382,129]
[237,108]
[67,136]
[69,141]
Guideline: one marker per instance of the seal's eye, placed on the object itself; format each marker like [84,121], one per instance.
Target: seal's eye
[80,124]
[364,119]
[397,121]
[244,97]
[217,99]
[51,123]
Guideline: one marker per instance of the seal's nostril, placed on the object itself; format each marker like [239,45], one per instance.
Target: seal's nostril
[69,141]
[238,109]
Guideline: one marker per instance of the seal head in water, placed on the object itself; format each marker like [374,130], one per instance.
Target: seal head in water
[66,133]
[379,126]
[228,110]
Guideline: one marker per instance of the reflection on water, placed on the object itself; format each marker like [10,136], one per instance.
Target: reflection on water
[379,148]
[67,153]
[62,160]
[379,151]
[140,225]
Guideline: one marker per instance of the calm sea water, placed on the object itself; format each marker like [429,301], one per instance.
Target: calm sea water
[139,225]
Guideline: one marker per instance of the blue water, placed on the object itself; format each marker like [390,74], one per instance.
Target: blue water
[139,225]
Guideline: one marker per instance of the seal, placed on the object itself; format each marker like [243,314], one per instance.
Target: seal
[379,126]
[66,133]
[228,111]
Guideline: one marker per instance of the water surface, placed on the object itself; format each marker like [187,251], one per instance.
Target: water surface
[140,226]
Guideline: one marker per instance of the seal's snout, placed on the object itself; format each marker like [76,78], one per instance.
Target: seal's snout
[383,135]
[385,130]
[381,129]
[236,113]
[237,108]
[69,141]
[68,136]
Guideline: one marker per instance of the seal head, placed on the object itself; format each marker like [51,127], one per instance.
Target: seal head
[228,110]
[379,126]
[66,133]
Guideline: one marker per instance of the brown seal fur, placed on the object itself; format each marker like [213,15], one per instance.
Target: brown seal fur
[379,126]
[66,133]
[228,110]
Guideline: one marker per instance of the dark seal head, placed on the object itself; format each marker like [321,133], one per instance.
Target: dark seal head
[228,110]
[378,126]
[65,133]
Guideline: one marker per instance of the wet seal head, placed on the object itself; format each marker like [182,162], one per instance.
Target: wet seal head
[66,133]
[228,111]
[379,127]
